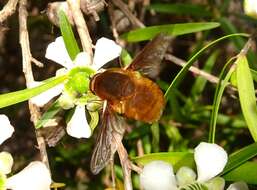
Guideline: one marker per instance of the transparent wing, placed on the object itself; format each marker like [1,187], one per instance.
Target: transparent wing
[111,128]
[148,61]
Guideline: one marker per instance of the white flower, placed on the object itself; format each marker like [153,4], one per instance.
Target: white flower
[238,186]
[158,175]
[250,8]
[210,160]
[35,176]
[78,126]
[6,129]
[6,162]
[105,51]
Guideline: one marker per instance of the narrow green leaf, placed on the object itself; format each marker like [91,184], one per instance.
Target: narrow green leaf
[254,75]
[94,119]
[126,58]
[223,82]
[148,33]
[239,157]
[247,172]
[23,95]
[147,145]
[177,159]
[49,114]
[246,94]
[155,136]
[179,77]
[200,82]
[181,9]
[68,36]
[228,27]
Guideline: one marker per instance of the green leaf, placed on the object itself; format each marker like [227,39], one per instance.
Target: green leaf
[148,33]
[48,115]
[155,136]
[94,119]
[246,94]
[240,157]
[177,159]
[180,76]
[246,172]
[68,36]
[200,82]
[181,9]
[126,58]
[23,95]
[223,82]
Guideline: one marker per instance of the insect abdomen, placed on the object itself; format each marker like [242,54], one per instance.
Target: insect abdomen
[147,103]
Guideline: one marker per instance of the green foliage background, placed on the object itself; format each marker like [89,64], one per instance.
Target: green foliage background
[188,114]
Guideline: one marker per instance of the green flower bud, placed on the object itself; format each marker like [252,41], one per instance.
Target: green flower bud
[185,175]
[216,183]
[66,101]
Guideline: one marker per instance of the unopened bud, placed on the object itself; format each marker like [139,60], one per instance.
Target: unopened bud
[185,176]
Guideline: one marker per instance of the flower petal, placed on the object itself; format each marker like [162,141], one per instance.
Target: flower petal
[158,175]
[6,129]
[56,51]
[105,51]
[35,176]
[6,162]
[241,185]
[210,160]
[78,126]
[185,175]
[82,59]
[43,98]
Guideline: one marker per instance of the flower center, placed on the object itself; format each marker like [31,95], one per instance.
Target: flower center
[79,79]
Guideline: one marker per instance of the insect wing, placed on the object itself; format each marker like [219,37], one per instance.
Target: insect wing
[148,61]
[112,128]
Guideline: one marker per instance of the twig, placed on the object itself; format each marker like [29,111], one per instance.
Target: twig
[136,168]
[140,150]
[36,62]
[8,10]
[195,70]
[246,47]
[81,27]
[126,166]
[114,28]
[27,69]
[143,9]
[211,78]
[134,20]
